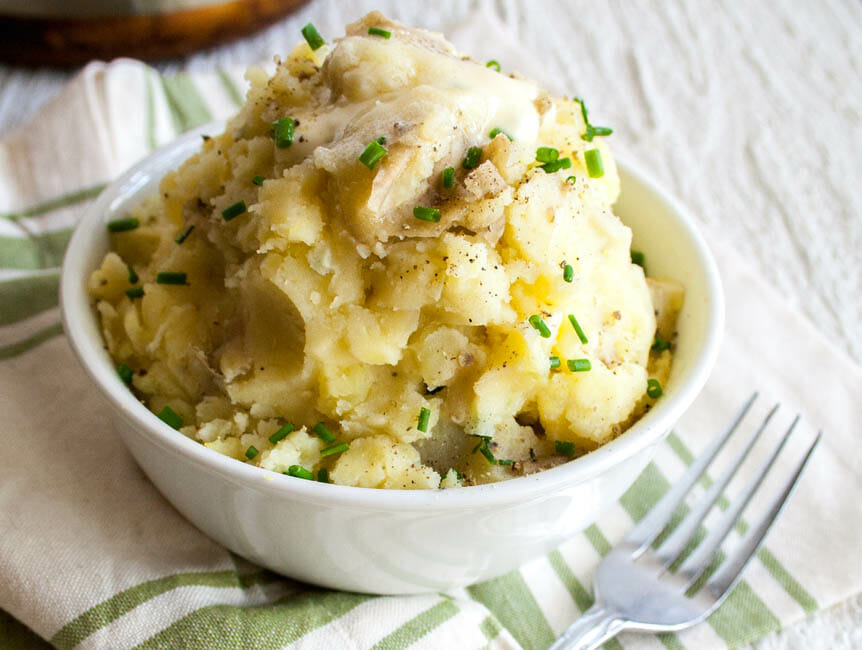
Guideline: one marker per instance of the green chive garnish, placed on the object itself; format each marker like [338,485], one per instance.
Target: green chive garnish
[537,322]
[493,63]
[571,180]
[449,177]
[323,433]
[424,417]
[487,453]
[595,168]
[334,449]
[556,165]
[501,461]
[555,362]
[170,417]
[602,130]
[653,388]
[639,258]
[281,433]
[426,214]
[299,471]
[122,225]
[184,235]
[564,448]
[251,452]
[258,180]
[547,154]
[170,277]
[579,365]
[376,31]
[497,131]
[660,345]
[568,273]
[125,374]
[233,211]
[578,330]
[323,475]
[373,152]
[282,132]
[133,277]
[312,37]
[591,130]
[135,292]
[381,139]
[471,160]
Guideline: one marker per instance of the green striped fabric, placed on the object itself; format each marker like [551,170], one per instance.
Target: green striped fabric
[245,608]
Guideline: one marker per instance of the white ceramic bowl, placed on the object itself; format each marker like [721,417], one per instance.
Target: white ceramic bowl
[397,541]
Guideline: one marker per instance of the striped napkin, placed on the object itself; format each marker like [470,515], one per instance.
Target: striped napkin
[91,556]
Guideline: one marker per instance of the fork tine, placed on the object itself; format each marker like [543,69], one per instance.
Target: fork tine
[642,535]
[703,554]
[725,578]
[682,534]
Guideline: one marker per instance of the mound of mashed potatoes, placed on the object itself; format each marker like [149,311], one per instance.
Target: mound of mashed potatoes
[396,268]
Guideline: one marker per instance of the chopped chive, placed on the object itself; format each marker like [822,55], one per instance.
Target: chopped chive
[471,160]
[376,31]
[122,225]
[579,365]
[571,180]
[258,180]
[233,211]
[501,461]
[282,132]
[312,37]
[556,165]
[591,131]
[133,277]
[281,433]
[537,322]
[487,453]
[334,449]
[555,362]
[497,131]
[185,235]
[323,433]
[578,330]
[125,374]
[595,168]
[547,154]
[493,63]
[323,475]
[654,388]
[381,139]
[299,471]
[602,130]
[373,152]
[639,258]
[660,345]
[424,417]
[568,273]
[449,177]
[564,448]
[171,277]
[426,214]
[251,452]
[135,292]
[170,417]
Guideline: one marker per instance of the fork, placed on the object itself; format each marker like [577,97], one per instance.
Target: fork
[636,586]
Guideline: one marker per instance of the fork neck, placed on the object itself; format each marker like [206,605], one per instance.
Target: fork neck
[594,627]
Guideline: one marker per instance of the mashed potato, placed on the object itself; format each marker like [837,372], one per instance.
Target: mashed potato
[396,268]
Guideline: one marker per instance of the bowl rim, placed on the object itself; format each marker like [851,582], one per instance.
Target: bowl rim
[78,314]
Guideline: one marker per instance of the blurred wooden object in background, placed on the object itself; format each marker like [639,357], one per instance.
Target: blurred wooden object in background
[71,32]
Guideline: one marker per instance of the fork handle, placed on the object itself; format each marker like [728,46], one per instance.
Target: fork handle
[594,627]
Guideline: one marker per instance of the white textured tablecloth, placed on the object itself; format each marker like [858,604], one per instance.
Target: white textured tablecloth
[750,113]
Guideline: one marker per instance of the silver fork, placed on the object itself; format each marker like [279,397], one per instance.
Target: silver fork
[634,585]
